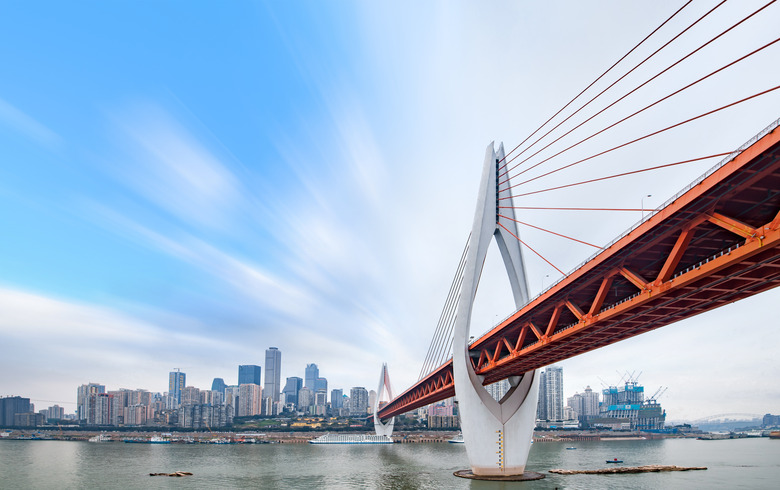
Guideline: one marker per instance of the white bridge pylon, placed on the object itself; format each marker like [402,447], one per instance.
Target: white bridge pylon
[383,428]
[498,434]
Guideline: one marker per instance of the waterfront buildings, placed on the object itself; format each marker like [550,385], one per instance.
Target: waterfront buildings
[305,399]
[625,407]
[550,405]
[176,383]
[218,385]
[82,401]
[358,401]
[585,405]
[336,399]
[11,407]
[498,389]
[273,373]
[249,374]
[250,398]
[310,377]
[291,389]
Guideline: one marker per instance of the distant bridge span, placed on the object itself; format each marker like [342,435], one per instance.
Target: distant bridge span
[714,243]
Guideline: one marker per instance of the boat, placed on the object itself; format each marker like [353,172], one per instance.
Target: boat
[158,440]
[457,439]
[571,448]
[100,438]
[351,439]
[614,460]
[775,434]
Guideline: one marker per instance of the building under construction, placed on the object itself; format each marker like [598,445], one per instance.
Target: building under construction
[625,408]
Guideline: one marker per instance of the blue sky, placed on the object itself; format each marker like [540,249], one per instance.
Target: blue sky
[185,185]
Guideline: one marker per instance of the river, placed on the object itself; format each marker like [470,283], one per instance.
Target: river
[738,463]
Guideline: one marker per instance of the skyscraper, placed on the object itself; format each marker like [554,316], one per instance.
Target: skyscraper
[218,385]
[305,399]
[249,373]
[291,389]
[82,399]
[551,394]
[10,406]
[176,382]
[358,401]
[310,377]
[321,385]
[541,407]
[250,397]
[590,402]
[273,373]
[336,399]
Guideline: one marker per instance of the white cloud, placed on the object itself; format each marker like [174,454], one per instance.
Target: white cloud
[172,169]
[28,126]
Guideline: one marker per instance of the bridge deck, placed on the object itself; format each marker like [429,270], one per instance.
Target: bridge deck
[716,243]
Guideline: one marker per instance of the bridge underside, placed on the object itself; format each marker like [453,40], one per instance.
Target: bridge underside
[716,243]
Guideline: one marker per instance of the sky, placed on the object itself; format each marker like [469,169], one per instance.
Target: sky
[185,184]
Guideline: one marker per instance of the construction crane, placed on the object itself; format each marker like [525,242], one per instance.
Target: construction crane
[658,393]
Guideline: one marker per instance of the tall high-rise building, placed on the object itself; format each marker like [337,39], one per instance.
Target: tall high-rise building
[250,397]
[371,400]
[336,399]
[82,399]
[590,402]
[551,391]
[249,373]
[498,389]
[291,389]
[10,406]
[358,401]
[273,373]
[218,385]
[541,406]
[310,377]
[321,385]
[305,399]
[177,380]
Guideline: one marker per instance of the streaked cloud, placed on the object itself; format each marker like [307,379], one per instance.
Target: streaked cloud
[28,126]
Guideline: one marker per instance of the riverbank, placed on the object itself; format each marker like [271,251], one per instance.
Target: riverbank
[204,437]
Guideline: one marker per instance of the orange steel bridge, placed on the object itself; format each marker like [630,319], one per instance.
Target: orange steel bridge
[716,242]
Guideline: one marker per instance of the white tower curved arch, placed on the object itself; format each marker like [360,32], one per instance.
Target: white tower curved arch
[498,434]
[383,428]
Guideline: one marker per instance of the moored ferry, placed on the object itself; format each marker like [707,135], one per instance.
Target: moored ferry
[351,439]
[457,439]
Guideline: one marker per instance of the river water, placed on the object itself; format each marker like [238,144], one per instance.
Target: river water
[738,463]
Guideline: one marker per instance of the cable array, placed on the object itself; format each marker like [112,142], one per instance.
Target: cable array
[511,186]
[441,343]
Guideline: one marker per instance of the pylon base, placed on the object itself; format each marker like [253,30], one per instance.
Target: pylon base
[526,476]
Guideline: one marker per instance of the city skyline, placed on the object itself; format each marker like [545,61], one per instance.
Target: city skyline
[304,177]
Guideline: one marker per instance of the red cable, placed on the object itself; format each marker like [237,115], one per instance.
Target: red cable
[548,231]
[592,83]
[631,92]
[617,175]
[610,86]
[531,249]
[572,209]
[646,136]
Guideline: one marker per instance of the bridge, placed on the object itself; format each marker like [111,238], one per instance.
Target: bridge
[715,242]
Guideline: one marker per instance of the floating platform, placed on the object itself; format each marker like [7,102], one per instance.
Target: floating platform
[654,468]
[527,476]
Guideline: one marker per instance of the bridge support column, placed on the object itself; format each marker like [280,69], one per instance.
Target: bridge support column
[498,434]
[383,428]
